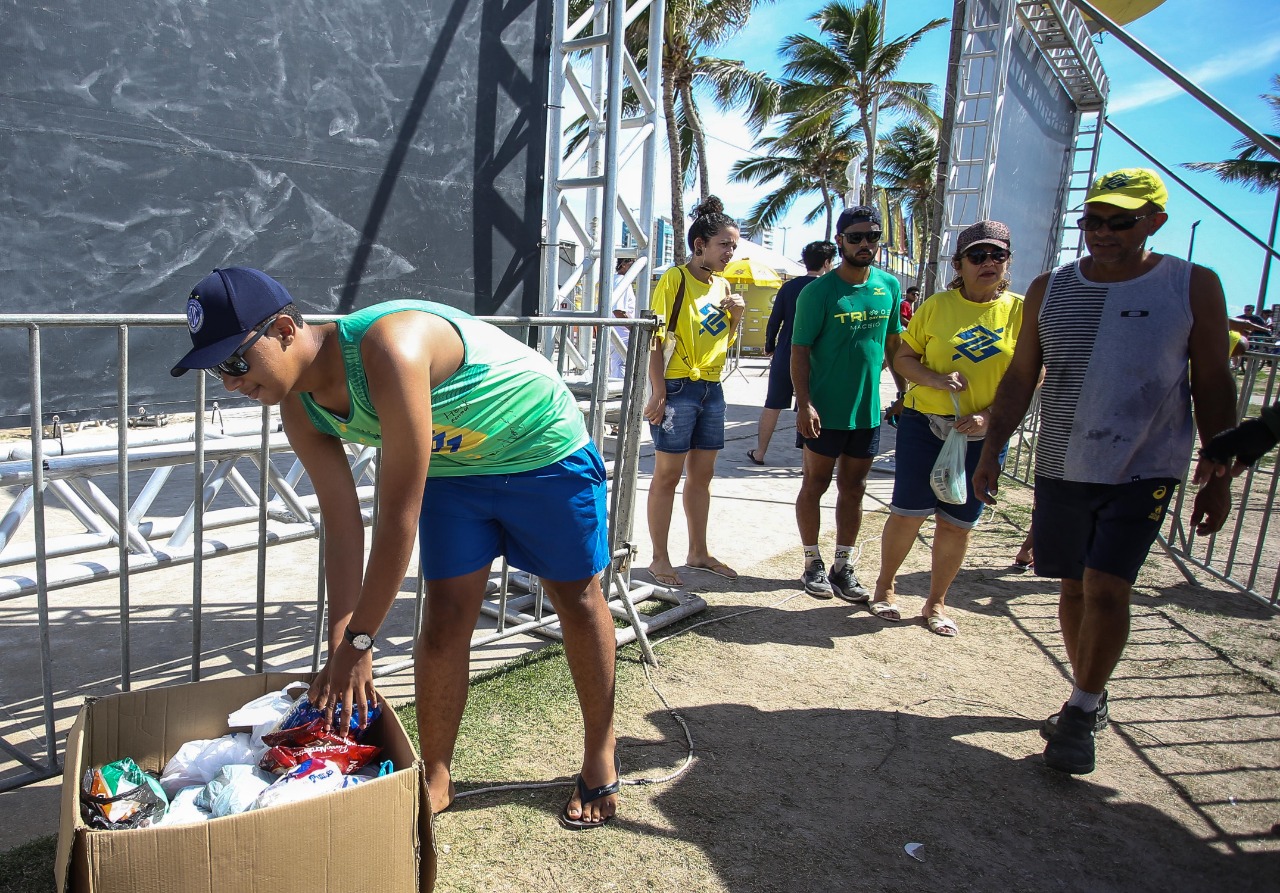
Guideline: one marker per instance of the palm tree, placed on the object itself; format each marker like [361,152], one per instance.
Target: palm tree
[1253,168]
[804,163]
[690,28]
[849,74]
[908,168]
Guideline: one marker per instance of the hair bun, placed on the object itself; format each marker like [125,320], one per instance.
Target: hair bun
[710,205]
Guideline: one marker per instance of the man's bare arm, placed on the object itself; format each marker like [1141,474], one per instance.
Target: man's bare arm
[1213,390]
[1014,394]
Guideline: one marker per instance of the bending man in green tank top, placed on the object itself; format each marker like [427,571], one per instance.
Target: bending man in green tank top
[484,454]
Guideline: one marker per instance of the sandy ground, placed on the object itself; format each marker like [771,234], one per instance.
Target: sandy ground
[826,740]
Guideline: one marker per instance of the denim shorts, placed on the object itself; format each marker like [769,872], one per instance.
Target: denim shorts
[917,451]
[780,388]
[694,417]
[1106,527]
[856,443]
[551,522]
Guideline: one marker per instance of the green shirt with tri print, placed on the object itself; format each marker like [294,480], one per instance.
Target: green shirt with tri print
[845,326]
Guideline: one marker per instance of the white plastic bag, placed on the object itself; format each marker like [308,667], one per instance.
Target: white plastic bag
[948,478]
[309,779]
[182,809]
[233,789]
[197,762]
[262,714]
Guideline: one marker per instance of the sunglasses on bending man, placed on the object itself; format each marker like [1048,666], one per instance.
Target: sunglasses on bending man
[236,365]
[1092,222]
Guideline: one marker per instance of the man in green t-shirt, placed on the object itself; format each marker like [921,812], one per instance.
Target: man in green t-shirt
[845,320]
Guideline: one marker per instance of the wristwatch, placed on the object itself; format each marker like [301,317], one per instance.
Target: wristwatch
[359,641]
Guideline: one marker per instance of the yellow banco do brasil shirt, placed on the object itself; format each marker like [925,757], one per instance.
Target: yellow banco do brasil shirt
[955,335]
[703,327]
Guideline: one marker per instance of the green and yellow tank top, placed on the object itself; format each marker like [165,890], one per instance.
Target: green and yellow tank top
[506,409]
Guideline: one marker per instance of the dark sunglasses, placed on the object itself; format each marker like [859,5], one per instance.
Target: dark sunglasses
[857,238]
[978,256]
[235,365]
[1091,223]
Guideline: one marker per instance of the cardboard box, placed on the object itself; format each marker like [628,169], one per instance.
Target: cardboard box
[376,836]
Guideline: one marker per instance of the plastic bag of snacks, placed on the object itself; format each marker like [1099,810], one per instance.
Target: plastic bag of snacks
[347,756]
[264,713]
[120,795]
[304,724]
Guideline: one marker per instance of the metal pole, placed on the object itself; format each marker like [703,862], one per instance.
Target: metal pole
[1266,264]
[1187,186]
[42,559]
[197,555]
[938,216]
[122,513]
[1262,141]
[1191,245]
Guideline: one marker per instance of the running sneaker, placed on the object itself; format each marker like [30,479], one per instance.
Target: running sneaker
[846,585]
[1103,717]
[815,580]
[1071,749]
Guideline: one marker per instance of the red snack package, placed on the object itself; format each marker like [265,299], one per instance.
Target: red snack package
[348,756]
[303,736]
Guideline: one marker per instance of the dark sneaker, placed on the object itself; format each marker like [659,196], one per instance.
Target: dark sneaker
[1071,749]
[815,580]
[845,583]
[1048,726]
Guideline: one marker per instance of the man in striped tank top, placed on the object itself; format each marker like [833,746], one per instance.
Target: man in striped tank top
[1115,332]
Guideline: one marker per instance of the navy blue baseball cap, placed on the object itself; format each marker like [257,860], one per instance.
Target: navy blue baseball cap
[225,306]
[856,215]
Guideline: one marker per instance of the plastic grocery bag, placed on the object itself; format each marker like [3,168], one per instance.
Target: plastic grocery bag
[308,779]
[262,714]
[182,809]
[233,789]
[120,795]
[949,481]
[197,762]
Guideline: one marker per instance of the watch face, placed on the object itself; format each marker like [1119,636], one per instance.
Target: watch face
[362,641]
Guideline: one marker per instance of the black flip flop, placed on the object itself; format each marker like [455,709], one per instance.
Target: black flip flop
[590,795]
[751,454]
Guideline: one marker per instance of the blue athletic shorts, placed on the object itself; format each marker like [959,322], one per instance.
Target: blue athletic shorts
[1106,527]
[550,521]
[694,417]
[858,443]
[917,451]
[780,388]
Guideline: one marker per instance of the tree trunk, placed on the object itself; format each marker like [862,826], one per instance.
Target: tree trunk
[826,202]
[694,120]
[869,131]
[673,155]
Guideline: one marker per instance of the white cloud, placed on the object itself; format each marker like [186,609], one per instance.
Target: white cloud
[1156,90]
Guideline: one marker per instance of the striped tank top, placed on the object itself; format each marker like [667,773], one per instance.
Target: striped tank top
[1116,400]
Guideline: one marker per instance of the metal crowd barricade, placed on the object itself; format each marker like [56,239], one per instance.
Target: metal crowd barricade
[1245,554]
[121,536]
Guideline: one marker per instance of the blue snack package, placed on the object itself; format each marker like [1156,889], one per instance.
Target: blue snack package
[304,714]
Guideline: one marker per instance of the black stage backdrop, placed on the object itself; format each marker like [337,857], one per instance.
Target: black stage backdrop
[358,151]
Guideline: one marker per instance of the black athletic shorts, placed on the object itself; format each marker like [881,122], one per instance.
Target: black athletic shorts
[859,443]
[1106,527]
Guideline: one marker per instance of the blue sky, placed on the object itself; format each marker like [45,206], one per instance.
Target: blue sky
[1203,41]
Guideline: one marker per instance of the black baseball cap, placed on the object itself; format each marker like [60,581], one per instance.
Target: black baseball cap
[225,306]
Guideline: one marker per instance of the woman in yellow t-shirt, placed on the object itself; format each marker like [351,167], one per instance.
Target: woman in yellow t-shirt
[959,345]
[685,409]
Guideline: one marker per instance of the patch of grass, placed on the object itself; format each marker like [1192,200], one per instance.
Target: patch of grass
[29,868]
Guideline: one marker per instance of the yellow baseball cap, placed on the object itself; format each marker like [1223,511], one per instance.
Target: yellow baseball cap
[1129,188]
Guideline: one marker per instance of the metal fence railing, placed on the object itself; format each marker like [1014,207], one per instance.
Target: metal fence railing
[1245,554]
[106,505]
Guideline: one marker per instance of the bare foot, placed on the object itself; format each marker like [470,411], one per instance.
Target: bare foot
[713,565]
[441,801]
[665,574]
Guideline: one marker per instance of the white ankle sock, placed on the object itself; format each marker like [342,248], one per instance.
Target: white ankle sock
[841,557]
[1086,701]
[811,555]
